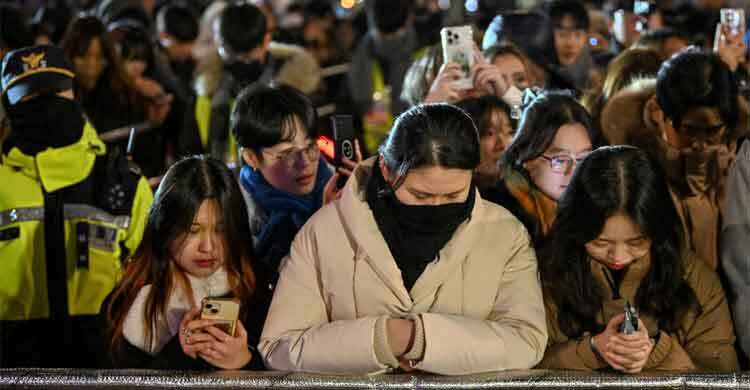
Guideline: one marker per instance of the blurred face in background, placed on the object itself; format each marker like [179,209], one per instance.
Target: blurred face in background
[513,70]
[493,142]
[570,41]
[91,65]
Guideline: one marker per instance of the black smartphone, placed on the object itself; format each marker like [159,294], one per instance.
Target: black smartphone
[343,138]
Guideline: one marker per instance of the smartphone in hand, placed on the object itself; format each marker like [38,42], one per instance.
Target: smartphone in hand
[630,323]
[458,47]
[344,143]
[224,311]
[733,22]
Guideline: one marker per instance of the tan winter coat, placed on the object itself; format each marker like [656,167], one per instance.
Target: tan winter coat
[704,341]
[624,121]
[478,306]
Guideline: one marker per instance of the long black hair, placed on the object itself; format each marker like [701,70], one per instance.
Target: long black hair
[185,186]
[612,180]
[431,135]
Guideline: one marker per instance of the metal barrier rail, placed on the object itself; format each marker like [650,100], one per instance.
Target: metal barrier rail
[546,379]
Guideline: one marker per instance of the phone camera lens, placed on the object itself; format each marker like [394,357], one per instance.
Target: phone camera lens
[214,311]
[209,306]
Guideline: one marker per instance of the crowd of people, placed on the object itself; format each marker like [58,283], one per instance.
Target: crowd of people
[582,203]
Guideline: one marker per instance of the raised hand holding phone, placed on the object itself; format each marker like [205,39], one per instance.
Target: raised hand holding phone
[347,154]
[458,48]
[729,39]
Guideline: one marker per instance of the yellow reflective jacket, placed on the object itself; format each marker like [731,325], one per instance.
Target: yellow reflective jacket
[104,211]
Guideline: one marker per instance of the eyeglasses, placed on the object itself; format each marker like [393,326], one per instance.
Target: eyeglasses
[562,162]
[290,157]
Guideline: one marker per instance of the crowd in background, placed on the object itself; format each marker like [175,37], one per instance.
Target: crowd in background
[499,213]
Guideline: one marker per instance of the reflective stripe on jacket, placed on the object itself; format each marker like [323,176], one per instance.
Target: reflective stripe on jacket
[103,222]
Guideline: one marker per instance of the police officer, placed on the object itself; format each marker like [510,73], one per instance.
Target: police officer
[70,213]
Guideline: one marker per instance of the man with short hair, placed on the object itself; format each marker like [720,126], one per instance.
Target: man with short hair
[177,28]
[71,213]
[572,57]
[248,56]
[379,65]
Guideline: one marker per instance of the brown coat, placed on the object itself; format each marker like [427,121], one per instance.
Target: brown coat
[624,121]
[704,341]
[480,303]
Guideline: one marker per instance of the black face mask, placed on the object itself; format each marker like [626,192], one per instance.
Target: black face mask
[47,121]
[414,234]
[245,73]
[429,219]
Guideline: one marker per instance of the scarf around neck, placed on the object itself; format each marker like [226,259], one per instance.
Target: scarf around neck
[281,206]
[414,234]
[534,203]
[178,303]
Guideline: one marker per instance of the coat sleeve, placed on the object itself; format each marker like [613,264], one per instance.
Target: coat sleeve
[735,243]
[298,334]
[564,353]
[710,339]
[513,336]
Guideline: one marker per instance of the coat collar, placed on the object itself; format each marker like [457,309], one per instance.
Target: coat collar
[369,244]
[634,274]
[57,168]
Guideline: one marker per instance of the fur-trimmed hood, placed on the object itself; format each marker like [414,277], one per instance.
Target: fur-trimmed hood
[623,116]
[624,119]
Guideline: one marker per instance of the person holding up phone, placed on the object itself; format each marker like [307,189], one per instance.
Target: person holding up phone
[285,180]
[454,82]
[194,247]
[729,38]
[617,238]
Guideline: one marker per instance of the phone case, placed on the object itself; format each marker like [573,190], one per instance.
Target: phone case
[225,311]
[630,323]
[458,47]
[343,137]
[734,20]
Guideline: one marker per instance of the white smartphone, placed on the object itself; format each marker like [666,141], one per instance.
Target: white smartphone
[733,20]
[458,47]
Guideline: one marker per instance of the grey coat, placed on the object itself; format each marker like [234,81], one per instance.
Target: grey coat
[735,244]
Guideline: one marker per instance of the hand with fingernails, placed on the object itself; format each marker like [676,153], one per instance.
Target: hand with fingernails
[330,191]
[200,338]
[444,88]
[626,353]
